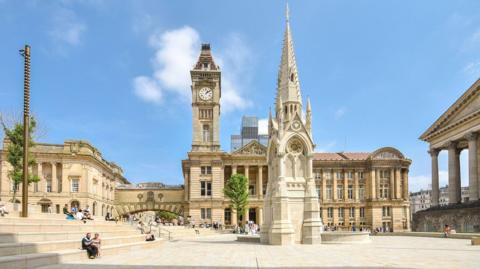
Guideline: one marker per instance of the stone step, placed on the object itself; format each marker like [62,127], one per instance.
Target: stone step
[51,221]
[22,237]
[35,260]
[10,249]
[67,227]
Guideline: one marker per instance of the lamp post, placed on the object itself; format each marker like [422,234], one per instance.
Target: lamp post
[26,118]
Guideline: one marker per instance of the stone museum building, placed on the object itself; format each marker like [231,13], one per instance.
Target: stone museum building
[455,130]
[343,189]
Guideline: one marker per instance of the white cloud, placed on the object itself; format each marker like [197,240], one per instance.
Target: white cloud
[424,182]
[147,89]
[177,50]
[263,126]
[67,28]
[340,112]
[472,68]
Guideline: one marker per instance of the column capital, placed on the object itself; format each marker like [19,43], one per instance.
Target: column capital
[451,144]
[433,152]
[471,136]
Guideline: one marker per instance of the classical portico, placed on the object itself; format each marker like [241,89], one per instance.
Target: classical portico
[456,130]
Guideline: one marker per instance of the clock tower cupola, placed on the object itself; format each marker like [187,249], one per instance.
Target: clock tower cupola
[206,93]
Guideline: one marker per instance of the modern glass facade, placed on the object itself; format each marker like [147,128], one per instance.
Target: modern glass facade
[248,133]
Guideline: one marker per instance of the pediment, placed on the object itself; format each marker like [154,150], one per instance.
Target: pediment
[296,125]
[252,148]
[467,106]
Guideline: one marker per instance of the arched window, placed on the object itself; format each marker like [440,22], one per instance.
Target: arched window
[292,77]
[206,133]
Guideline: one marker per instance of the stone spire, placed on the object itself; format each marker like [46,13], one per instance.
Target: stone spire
[308,116]
[288,86]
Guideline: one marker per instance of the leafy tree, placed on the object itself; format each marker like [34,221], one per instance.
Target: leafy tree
[237,190]
[15,153]
[166,215]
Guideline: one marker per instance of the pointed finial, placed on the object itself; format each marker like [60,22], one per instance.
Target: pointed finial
[287,13]
[309,108]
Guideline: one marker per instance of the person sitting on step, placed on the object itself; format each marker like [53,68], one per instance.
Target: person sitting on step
[88,245]
[3,209]
[97,242]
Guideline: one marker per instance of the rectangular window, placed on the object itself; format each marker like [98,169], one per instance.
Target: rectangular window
[341,212]
[49,186]
[228,216]
[206,170]
[386,211]
[251,189]
[206,213]
[350,192]
[352,212]
[361,192]
[330,212]
[340,192]
[205,188]
[362,212]
[206,113]
[350,175]
[329,192]
[317,174]
[75,185]
[328,175]
[319,192]
[360,175]
[339,175]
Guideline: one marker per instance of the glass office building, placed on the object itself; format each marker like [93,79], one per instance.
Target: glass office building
[248,133]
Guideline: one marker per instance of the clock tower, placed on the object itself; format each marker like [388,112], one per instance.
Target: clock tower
[206,93]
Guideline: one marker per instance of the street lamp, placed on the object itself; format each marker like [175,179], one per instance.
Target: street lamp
[26,111]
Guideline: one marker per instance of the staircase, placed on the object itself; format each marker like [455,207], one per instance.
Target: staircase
[48,239]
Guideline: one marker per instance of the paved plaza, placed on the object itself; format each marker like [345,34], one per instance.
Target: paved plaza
[222,251]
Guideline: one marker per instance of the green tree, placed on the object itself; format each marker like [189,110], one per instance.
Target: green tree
[15,153]
[237,190]
[166,215]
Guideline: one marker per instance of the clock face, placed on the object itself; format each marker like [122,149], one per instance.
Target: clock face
[205,94]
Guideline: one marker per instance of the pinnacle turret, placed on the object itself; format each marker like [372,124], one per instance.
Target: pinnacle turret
[288,85]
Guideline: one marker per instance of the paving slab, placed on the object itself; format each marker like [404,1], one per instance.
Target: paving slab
[223,251]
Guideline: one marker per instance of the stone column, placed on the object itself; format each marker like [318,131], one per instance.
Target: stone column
[246,171]
[356,194]
[345,186]
[54,177]
[66,188]
[373,191]
[259,216]
[454,188]
[42,182]
[234,169]
[334,189]
[472,166]
[260,182]
[392,183]
[398,179]
[406,195]
[435,184]
[324,186]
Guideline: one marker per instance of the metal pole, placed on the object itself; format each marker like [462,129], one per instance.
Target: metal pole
[26,117]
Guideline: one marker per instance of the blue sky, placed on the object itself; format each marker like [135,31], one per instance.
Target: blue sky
[115,73]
